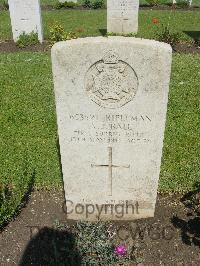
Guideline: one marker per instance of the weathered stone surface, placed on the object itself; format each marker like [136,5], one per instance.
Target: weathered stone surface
[122,16]
[25,17]
[111,100]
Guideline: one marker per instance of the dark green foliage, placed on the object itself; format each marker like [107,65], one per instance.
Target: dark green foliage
[93,244]
[166,35]
[94,4]
[87,4]
[182,3]
[57,34]
[98,4]
[27,39]
[5,5]
[66,5]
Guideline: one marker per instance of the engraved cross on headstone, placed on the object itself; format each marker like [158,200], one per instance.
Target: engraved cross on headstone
[110,166]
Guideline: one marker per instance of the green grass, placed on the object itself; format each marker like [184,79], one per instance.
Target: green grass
[180,169]
[92,21]
[28,121]
[28,140]
[28,115]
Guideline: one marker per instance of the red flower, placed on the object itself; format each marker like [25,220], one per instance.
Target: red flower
[155,20]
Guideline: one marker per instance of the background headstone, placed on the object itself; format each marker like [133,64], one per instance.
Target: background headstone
[122,16]
[190,2]
[25,17]
[111,100]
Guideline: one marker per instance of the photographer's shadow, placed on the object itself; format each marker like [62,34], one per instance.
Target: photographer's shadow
[51,247]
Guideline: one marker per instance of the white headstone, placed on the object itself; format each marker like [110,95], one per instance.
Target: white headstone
[111,100]
[122,16]
[189,2]
[25,18]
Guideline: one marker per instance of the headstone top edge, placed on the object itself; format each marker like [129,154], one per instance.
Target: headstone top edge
[121,39]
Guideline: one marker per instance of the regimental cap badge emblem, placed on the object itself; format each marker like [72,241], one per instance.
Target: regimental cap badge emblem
[111,58]
[111,82]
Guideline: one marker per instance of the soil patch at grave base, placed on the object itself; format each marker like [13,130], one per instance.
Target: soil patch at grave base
[164,7]
[186,48]
[11,47]
[142,7]
[174,242]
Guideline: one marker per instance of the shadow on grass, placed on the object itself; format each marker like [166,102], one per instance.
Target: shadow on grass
[190,228]
[103,32]
[195,35]
[9,194]
[59,156]
[29,190]
[60,165]
[51,247]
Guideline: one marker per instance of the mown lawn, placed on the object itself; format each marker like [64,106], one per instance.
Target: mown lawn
[91,23]
[180,169]
[28,122]
[29,142]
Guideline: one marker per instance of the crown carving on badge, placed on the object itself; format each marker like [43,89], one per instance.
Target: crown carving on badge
[111,57]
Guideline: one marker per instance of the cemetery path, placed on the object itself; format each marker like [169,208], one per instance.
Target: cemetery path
[170,238]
